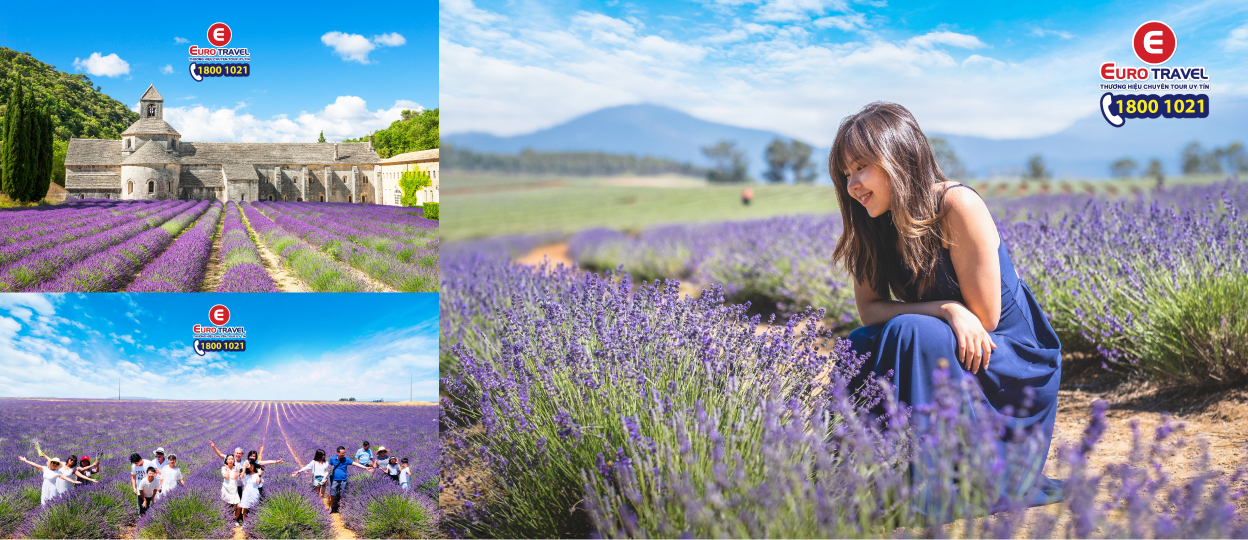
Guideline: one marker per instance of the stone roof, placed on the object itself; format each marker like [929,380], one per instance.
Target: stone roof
[408,157]
[150,153]
[151,126]
[93,152]
[75,180]
[238,172]
[200,178]
[151,94]
[275,153]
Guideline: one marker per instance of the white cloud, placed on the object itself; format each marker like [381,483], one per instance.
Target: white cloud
[346,117]
[351,47]
[797,10]
[1040,32]
[976,59]
[952,39]
[1237,40]
[108,66]
[355,48]
[167,69]
[392,39]
[842,22]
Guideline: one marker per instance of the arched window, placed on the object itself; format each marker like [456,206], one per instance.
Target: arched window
[270,198]
[348,198]
[364,199]
[322,198]
[242,196]
[170,183]
[130,187]
[151,186]
[127,143]
[299,199]
[398,196]
[151,110]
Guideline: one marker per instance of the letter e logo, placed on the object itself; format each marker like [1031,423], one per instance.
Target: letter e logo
[219,34]
[1154,42]
[219,315]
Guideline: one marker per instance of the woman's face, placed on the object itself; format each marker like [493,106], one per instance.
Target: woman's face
[868,184]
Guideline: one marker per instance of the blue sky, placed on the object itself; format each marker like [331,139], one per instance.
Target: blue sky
[992,69]
[342,68]
[299,346]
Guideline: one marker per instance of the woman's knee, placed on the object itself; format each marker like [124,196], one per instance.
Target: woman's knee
[916,325]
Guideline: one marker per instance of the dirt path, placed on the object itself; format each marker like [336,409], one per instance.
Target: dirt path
[283,278]
[212,272]
[339,530]
[557,253]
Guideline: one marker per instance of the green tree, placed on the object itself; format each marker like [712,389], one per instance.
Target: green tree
[947,159]
[16,157]
[1236,158]
[1192,158]
[43,152]
[1157,172]
[730,164]
[804,172]
[411,182]
[1036,169]
[1123,167]
[414,130]
[322,137]
[59,149]
[777,157]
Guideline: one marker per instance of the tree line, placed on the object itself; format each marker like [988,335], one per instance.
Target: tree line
[415,130]
[529,161]
[27,153]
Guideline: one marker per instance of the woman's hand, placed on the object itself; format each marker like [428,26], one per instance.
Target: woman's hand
[974,343]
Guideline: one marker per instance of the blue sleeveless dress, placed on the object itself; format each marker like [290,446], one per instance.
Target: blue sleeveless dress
[1028,355]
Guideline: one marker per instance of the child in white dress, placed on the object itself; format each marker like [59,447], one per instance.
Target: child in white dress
[251,488]
[170,476]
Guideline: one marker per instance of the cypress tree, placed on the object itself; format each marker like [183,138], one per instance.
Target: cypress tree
[43,156]
[12,161]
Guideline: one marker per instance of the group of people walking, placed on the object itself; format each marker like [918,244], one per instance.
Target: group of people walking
[59,476]
[242,476]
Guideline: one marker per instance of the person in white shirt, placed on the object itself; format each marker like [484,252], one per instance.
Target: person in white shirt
[251,488]
[320,471]
[170,476]
[228,494]
[160,461]
[405,476]
[52,472]
[147,490]
[392,469]
[138,468]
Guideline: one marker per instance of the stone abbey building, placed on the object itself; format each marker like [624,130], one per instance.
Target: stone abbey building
[151,161]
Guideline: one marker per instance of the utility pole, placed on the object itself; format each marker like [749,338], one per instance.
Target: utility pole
[119,388]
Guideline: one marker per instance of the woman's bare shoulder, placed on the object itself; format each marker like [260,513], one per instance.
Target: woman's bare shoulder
[967,214]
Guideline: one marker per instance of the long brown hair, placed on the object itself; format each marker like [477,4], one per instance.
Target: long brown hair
[875,250]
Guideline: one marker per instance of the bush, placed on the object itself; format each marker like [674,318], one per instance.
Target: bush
[16,501]
[96,511]
[431,210]
[289,510]
[376,507]
[191,511]
[1201,332]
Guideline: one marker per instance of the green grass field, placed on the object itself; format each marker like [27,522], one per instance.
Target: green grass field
[482,205]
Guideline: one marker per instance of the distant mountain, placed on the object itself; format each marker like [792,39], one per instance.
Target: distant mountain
[78,108]
[1085,149]
[643,130]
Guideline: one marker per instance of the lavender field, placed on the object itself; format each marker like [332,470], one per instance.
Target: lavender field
[109,431]
[589,400]
[188,246]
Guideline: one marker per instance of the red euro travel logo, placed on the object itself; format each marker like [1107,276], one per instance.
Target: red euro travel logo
[1154,42]
[219,34]
[219,315]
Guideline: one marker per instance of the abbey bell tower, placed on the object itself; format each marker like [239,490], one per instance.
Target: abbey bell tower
[151,103]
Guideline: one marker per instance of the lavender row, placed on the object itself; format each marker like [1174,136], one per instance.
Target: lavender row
[242,268]
[332,239]
[111,270]
[417,247]
[317,270]
[100,222]
[40,266]
[181,267]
